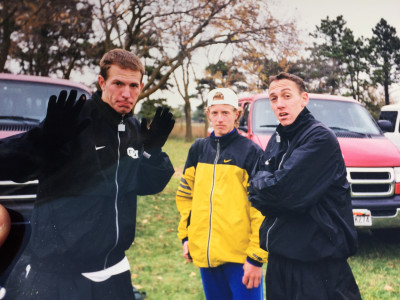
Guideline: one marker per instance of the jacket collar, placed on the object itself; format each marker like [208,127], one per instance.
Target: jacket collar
[225,139]
[111,115]
[291,130]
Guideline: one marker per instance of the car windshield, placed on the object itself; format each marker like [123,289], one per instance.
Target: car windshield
[345,118]
[264,120]
[27,101]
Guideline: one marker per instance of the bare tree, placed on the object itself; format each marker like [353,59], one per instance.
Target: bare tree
[166,32]
[183,90]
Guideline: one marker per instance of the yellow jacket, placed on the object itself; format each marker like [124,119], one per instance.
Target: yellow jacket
[216,216]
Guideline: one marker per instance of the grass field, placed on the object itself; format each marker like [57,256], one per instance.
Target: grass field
[159,269]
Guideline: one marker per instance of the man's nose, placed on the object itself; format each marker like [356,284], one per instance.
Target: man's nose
[280,102]
[126,92]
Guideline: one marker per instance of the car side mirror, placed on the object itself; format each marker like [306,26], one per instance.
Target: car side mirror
[385,125]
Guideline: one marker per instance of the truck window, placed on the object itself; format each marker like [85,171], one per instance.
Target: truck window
[264,118]
[27,99]
[343,116]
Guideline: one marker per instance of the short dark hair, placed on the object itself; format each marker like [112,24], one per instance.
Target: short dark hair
[123,58]
[296,79]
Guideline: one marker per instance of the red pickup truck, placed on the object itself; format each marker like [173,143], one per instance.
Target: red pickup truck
[372,161]
[23,105]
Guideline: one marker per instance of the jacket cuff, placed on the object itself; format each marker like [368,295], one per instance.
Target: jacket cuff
[254,262]
[185,240]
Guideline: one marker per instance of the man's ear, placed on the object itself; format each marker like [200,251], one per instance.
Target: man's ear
[304,99]
[101,81]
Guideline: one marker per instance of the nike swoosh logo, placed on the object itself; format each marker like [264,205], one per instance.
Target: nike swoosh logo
[227,160]
[100,147]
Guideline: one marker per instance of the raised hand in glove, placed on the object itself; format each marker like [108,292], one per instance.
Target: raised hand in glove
[61,122]
[160,127]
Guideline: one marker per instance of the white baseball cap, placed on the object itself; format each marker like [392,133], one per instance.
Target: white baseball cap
[229,97]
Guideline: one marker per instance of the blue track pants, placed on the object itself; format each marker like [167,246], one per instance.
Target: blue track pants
[225,283]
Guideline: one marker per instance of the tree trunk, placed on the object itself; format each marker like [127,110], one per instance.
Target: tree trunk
[206,125]
[386,87]
[188,118]
[5,46]
[7,31]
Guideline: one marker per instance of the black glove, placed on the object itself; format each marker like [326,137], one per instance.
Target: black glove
[160,127]
[61,122]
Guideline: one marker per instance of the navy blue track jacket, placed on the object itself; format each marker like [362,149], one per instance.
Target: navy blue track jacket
[301,188]
[85,213]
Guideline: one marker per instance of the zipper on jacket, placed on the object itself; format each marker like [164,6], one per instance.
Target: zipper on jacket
[121,125]
[120,128]
[211,205]
[266,243]
[283,156]
[276,219]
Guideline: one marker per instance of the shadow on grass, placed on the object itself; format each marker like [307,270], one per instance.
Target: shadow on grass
[382,242]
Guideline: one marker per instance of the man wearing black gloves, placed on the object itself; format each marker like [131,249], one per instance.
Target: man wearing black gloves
[301,189]
[92,159]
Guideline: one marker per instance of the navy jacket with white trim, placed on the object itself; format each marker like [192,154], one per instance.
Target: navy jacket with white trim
[85,213]
[301,188]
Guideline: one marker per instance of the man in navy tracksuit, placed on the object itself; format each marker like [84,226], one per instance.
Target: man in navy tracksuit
[92,159]
[301,189]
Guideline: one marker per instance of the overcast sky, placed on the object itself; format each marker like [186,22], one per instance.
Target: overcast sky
[361,15]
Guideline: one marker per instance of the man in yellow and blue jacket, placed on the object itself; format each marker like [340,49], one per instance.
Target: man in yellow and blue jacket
[219,227]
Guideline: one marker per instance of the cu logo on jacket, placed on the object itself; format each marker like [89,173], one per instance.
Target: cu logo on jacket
[133,153]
